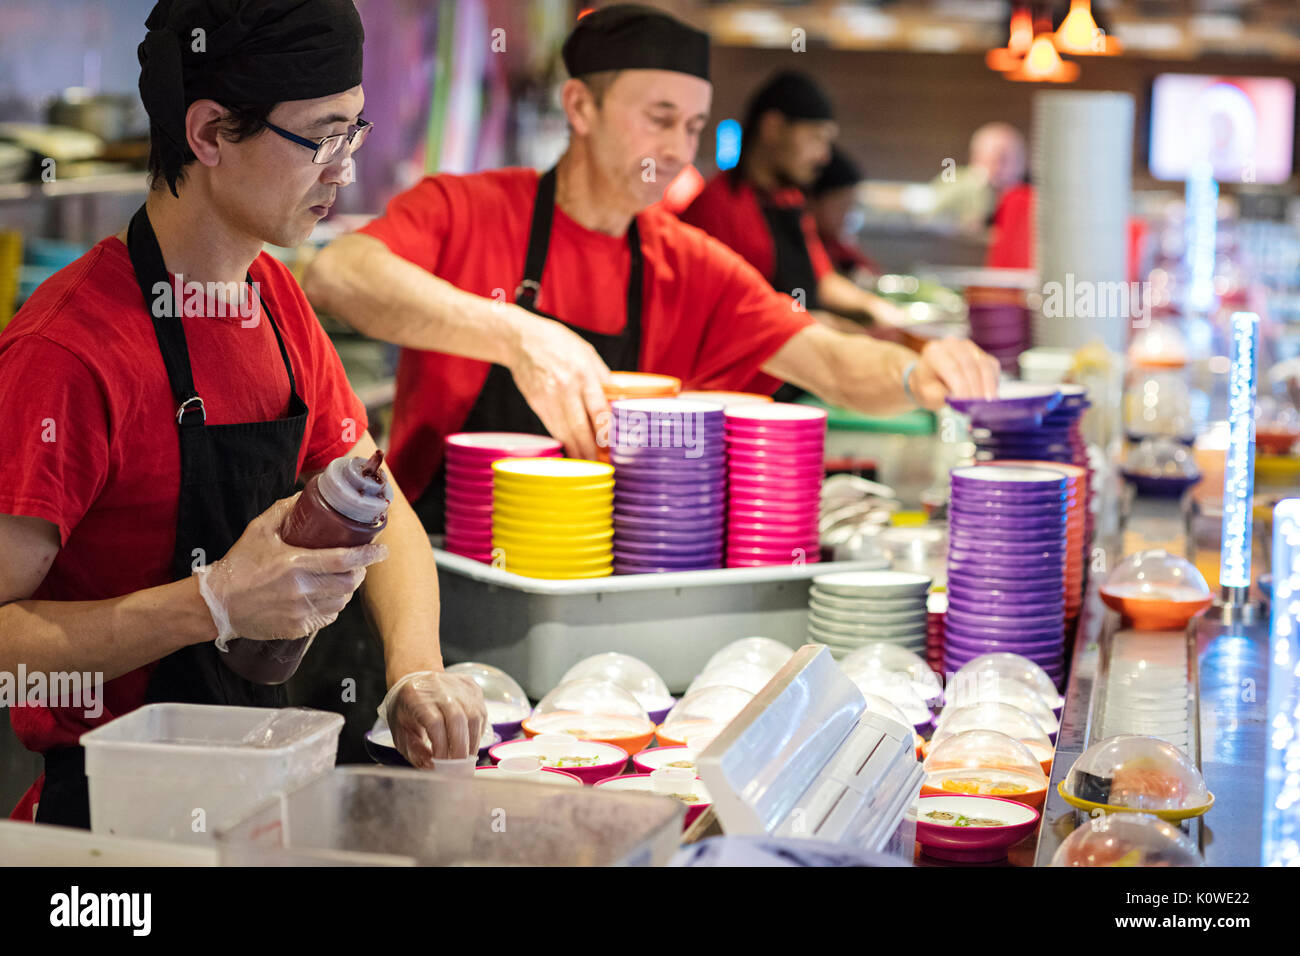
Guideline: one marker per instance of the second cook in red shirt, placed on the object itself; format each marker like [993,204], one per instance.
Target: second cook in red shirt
[513,295]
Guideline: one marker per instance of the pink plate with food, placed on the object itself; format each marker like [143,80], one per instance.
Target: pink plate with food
[970,829]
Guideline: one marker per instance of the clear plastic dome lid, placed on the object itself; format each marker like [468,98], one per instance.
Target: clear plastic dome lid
[1161,457]
[890,658]
[994,715]
[897,688]
[1127,839]
[1159,405]
[742,674]
[1134,772]
[632,674]
[763,651]
[505,699]
[984,763]
[704,713]
[886,708]
[590,709]
[1156,575]
[1012,667]
[990,686]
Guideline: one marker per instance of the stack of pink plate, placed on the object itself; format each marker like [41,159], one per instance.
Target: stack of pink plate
[469,484]
[774,474]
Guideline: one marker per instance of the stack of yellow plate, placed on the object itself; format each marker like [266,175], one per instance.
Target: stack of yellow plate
[553,517]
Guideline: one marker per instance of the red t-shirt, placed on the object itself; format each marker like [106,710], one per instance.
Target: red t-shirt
[707,317]
[728,209]
[88,428]
[1012,246]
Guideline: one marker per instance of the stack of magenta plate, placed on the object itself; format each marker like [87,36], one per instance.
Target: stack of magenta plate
[1006,565]
[774,471]
[936,606]
[469,459]
[670,485]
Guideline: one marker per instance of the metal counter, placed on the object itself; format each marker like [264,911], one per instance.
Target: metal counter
[1227,674]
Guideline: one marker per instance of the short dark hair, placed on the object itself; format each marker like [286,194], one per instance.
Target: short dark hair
[166,167]
[599,83]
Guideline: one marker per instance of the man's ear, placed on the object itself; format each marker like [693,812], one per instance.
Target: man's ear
[579,105]
[203,122]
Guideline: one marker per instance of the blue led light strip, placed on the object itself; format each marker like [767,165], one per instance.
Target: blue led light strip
[1239,467]
[1202,201]
[1281,843]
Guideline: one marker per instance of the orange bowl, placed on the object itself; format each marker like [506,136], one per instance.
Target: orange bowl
[1031,798]
[1155,614]
[632,745]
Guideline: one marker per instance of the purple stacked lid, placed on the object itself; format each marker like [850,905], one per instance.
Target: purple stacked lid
[1006,565]
[775,468]
[670,485]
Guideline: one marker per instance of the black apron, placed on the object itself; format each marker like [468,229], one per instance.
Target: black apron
[794,268]
[230,474]
[500,407]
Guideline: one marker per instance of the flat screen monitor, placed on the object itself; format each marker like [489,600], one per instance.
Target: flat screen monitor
[1244,125]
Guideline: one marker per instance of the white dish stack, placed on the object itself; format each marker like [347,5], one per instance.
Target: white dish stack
[1082,158]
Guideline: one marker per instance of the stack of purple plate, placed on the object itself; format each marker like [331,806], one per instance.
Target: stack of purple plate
[1058,437]
[670,485]
[999,323]
[1006,566]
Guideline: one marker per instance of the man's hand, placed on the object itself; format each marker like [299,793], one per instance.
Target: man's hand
[434,714]
[562,379]
[956,367]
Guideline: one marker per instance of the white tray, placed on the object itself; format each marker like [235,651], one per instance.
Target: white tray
[536,629]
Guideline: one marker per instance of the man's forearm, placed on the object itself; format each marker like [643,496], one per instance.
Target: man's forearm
[357,279]
[111,637]
[848,371]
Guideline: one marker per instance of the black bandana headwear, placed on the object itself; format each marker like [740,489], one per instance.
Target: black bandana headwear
[250,52]
[795,95]
[629,36]
[839,173]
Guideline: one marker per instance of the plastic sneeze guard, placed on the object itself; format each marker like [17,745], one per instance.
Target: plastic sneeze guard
[806,759]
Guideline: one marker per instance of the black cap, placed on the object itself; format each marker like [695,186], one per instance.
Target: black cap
[629,36]
[795,95]
[244,53]
[837,174]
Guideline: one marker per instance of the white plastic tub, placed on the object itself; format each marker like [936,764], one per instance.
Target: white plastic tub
[40,844]
[535,629]
[386,816]
[179,771]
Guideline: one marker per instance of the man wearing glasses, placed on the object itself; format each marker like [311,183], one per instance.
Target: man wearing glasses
[151,449]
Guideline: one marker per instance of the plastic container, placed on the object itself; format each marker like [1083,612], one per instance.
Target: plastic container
[985,763]
[592,710]
[1133,773]
[985,686]
[1005,719]
[1156,590]
[1003,665]
[897,688]
[763,651]
[891,659]
[153,770]
[507,704]
[382,816]
[344,506]
[635,676]
[681,785]
[1130,839]
[970,829]
[1161,467]
[706,713]
[536,630]
[742,674]
[27,844]
[588,760]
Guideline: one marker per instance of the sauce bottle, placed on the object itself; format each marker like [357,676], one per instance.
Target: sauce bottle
[344,506]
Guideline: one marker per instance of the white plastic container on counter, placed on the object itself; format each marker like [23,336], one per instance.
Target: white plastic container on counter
[41,844]
[180,771]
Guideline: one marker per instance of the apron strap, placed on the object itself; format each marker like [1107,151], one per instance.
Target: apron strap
[539,242]
[150,270]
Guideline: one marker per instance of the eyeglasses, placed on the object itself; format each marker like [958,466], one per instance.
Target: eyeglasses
[329,148]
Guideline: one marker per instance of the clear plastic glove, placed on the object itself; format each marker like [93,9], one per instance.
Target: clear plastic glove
[266,590]
[434,714]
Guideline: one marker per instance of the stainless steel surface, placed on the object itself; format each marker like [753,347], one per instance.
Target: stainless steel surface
[1227,671]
